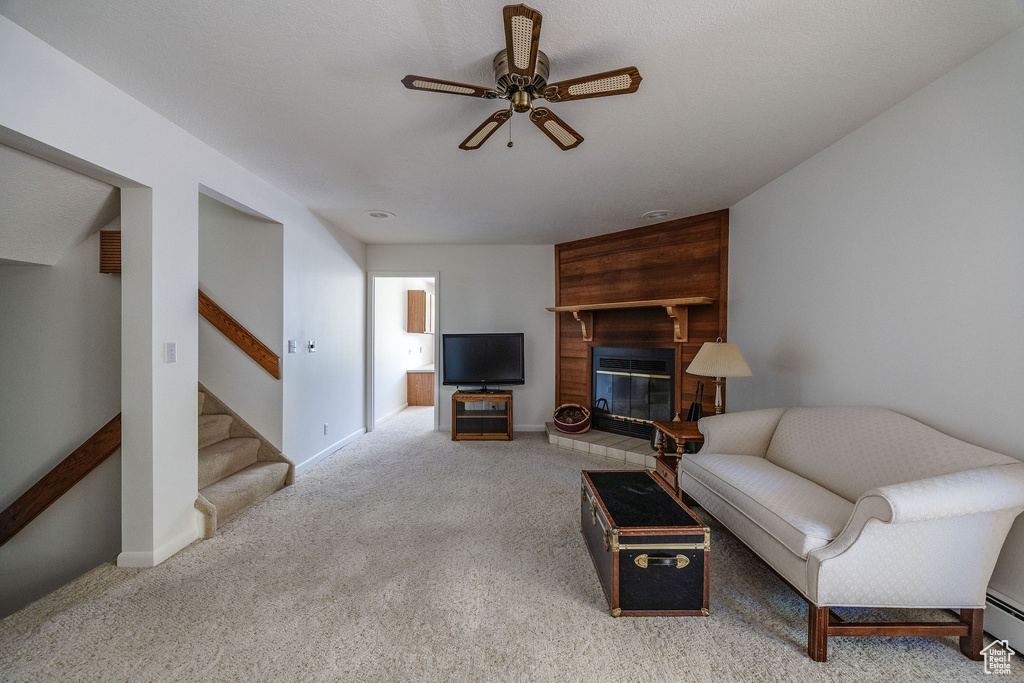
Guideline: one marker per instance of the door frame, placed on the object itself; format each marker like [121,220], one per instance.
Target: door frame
[371,276]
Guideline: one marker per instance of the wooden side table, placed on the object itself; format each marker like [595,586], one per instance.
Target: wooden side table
[666,464]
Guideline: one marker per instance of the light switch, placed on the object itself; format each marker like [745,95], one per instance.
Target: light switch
[312,346]
[171,352]
[292,346]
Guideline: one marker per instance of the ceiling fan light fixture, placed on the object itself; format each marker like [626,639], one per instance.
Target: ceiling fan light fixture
[521,101]
[657,215]
[520,77]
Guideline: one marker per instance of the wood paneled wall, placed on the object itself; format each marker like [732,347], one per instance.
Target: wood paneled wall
[680,258]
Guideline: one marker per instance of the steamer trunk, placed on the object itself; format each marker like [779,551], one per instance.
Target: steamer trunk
[650,551]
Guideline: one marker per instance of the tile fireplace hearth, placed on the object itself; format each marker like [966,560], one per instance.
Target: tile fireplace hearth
[605,445]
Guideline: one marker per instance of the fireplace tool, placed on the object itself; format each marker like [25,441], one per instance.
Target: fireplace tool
[696,408]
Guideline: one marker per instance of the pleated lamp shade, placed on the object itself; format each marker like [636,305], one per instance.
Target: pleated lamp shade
[719,359]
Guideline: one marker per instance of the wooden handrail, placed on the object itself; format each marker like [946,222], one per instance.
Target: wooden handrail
[241,337]
[60,479]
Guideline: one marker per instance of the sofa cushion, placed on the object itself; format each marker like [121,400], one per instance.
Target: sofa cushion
[798,513]
[852,449]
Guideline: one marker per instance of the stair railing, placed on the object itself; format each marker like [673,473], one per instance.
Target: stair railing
[241,337]
[60,479]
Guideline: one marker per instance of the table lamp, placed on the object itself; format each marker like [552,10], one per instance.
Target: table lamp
[719,359]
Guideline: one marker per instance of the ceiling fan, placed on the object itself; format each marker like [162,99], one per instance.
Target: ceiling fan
[520,75]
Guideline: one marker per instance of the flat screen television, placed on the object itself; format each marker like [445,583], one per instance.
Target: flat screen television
[482,359]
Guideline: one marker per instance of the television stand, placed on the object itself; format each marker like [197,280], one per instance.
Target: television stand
[484,415]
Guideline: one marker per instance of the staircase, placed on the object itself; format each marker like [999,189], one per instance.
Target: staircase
[237,466]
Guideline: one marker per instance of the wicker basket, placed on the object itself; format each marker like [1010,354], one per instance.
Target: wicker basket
[571,427]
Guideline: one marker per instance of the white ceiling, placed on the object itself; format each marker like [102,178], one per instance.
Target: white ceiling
[45,209]
[308,96]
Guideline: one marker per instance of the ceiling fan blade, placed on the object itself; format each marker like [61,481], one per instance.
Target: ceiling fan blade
[555,128]
[451,87]
[617,82]
[485,129]
[522,36]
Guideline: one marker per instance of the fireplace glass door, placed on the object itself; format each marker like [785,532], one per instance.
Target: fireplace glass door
[633,388]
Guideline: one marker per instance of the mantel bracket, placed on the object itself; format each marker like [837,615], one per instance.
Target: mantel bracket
[680,322]
[586,320]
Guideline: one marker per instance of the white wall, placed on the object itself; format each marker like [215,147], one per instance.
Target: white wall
[241,267]
[491,288]
[55,108]
[887,269]
[395,350]
[60,381]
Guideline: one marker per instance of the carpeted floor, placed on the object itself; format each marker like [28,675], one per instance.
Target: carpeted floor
[406,556]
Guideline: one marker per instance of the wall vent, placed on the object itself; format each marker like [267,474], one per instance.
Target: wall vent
[110,251]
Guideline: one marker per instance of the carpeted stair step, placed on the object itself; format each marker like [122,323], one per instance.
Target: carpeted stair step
[226,457]
[213,428]
[234,493]
[202,400]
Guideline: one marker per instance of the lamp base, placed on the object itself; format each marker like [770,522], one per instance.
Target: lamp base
[719,381]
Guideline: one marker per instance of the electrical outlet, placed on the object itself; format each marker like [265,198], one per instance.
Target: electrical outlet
[325,429]
[171,352]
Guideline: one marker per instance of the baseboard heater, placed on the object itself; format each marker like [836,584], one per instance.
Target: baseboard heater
[1004,619]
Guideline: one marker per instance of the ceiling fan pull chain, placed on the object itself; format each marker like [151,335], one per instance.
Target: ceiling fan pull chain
[510,132]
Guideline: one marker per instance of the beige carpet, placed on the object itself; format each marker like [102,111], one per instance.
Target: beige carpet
[406,556]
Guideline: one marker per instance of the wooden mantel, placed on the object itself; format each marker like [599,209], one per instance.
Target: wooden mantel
[677,309]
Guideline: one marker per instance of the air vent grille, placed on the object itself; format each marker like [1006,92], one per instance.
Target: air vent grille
[633,365]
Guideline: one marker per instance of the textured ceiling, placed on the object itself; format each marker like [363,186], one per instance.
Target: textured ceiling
[307,95]
[45,209]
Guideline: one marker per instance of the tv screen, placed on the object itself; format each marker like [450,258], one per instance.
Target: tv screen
[484,359]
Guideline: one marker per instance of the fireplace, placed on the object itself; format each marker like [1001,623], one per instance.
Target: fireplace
[632,389]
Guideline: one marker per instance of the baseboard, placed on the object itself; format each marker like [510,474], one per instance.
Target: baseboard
[306,464]
[1004,619]
[394,412]
[151,558]
[135,559]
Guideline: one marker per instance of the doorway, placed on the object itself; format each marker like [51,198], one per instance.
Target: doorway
[403,317]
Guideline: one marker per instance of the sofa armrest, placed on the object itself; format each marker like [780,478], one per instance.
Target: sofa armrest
[899,536]
[986,489]
[746,433]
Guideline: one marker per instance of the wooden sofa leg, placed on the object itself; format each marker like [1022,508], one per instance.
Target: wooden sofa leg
[970,644]
[817,632]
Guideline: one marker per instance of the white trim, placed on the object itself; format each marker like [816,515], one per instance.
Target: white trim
[151,558]
[330,450]
[1003,625]
[394,412]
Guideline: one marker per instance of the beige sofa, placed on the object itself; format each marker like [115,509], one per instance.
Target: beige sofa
[860,506]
